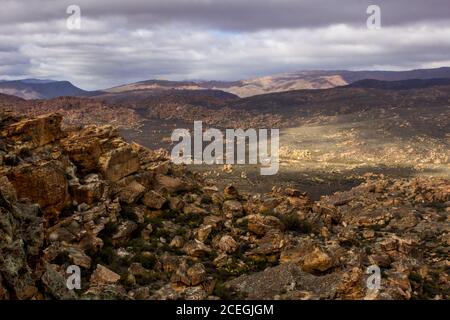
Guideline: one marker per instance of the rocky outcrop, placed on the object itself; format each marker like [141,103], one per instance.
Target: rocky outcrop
[35,132]
[43,182]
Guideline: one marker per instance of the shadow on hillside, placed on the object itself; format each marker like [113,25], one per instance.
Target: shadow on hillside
[316,182]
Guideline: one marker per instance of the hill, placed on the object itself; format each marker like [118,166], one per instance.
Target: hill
[40,89]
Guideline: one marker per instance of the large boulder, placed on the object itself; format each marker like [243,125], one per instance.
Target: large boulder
[118,163]
[85,146]
[261,224]
[103,275]
[44,183]
[286,280]
[154,200]
[36,132]
[83,151]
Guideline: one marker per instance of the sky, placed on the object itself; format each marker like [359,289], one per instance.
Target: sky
[120,41]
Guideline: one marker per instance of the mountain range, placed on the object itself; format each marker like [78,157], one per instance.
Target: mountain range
[314,79]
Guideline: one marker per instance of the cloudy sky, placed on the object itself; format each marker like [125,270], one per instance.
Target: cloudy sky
[125,41]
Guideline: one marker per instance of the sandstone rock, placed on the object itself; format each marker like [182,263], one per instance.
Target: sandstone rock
[177,242]
[169,184]
[189,276]
[203,232]
[227,244]
[7,189]
[193,209]
[196,274]
[215,221]
[124,230]
[132,192]
[400,225]
[44,183]
[90,192]
[232,209]
[260,224]
[176,204]
[316,260]
[270,244]
[196,248]
[154,200]
[146,233]
[37,131]
[78,257]
[103,275]
[118,163]
[230,193]
[83,151]
[106,292]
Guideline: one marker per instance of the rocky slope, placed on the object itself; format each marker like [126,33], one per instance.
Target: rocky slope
[140,227]
[75,111]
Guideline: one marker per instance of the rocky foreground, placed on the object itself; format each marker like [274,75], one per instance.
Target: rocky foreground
[140,227]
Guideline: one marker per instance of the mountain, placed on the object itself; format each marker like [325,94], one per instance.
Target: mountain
[322,80]
[155,85]
[314,79]
[6,99]
[400,85]
[359,96]
[40,89]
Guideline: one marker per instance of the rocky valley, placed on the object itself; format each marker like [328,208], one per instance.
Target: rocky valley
[140,227]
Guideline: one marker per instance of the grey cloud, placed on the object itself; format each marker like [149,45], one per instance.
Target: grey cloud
[122,42]
[231,15]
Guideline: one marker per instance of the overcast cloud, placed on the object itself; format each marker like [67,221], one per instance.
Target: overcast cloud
[125,41]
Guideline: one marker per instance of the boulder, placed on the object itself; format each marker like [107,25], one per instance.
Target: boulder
[132,192]
[118,163]
[227,244]
[169,184]
[103,275]
[154,200]
[283,280]
[44,182]
[37,131]
[261,224]
[55,283]
[203,232]
[196,248]
[189,276]
[317,260]
[232,209]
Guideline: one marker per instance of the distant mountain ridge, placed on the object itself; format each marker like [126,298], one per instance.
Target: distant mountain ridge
[314,79]
[40,89]
[320,79]
[400,84]
[292,81]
